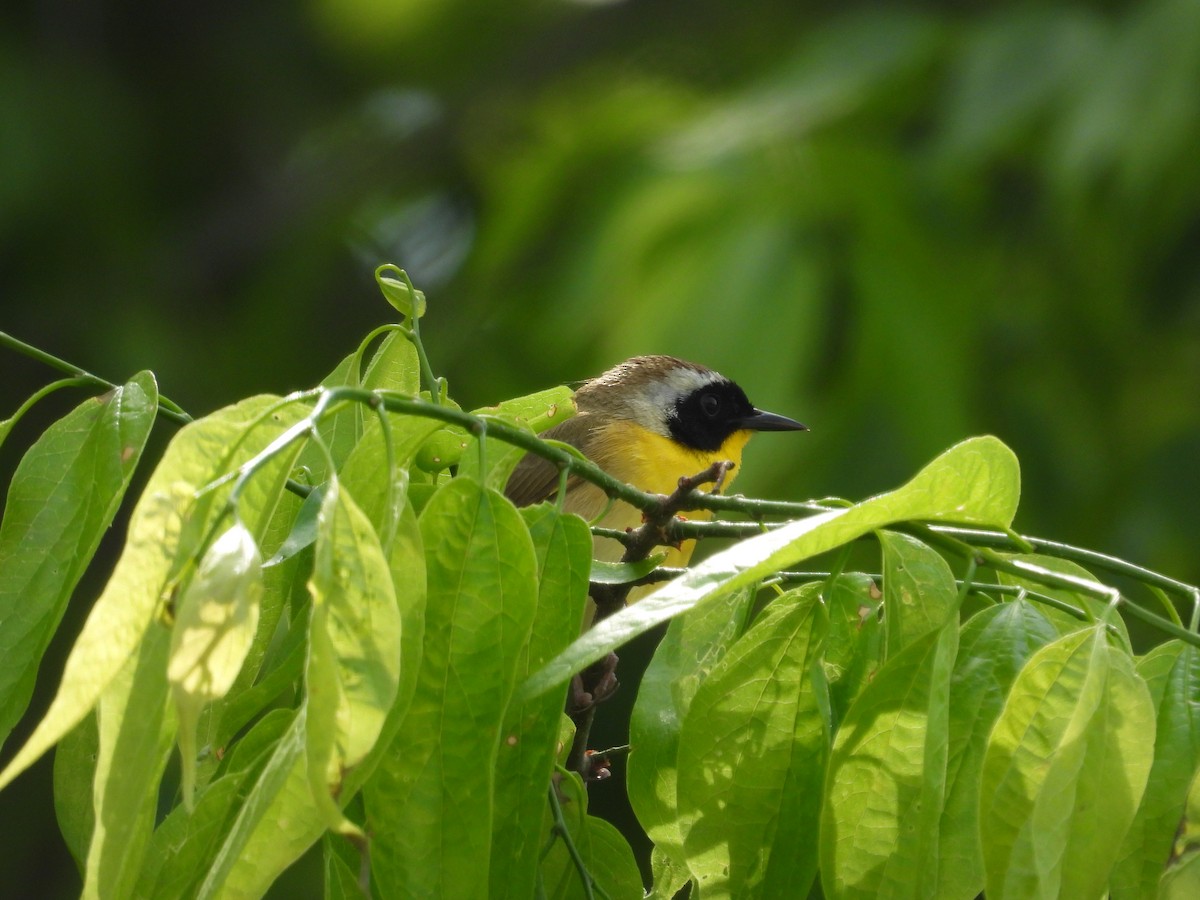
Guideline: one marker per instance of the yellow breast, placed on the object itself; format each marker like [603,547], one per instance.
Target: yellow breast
[652,463]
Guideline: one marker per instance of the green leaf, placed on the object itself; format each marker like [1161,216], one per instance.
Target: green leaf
[694,643]
[1064,621]
[919,594]
[74,771]
[158,549]
[1172,674]
[214,628]
[341,869]
[386,499]
[1065,769]
[277,682]
[534,412]
[976,482]
[63,496]
[854,642]
[393,367]
[885,787]
[398,291]
[429,804]
[1181,878]
[183,846]
[563,545]
[604,853]
[354,647]
[993,647]
[303,533]
[276,823]
[752,755]
[136,734]
[624,572]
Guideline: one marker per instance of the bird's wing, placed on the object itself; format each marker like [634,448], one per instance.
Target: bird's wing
[534,479]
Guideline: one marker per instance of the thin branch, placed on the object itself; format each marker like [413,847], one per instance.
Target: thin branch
[167,407]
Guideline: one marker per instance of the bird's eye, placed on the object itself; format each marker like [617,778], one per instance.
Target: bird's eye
[710,405]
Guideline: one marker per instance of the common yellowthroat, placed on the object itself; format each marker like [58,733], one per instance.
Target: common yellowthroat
[648,421]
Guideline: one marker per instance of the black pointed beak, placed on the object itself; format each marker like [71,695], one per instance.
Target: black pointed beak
[760,420]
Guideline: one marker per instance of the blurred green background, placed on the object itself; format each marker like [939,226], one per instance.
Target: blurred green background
[901,224]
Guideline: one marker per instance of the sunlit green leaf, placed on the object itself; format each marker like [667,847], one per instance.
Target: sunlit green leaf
[63,497]
[535,412]
[886,783]
[354,647]
[275,824]
[482,592]
[184,844]
[399,292]
[530,733]
[1172,674]
[694,643]
[919,594]
[854,642]
[1064,621]
[993,647]
[752,756]
[1065,768]
[136,733]
[215,620]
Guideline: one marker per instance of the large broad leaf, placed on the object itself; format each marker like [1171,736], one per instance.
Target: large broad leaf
[526,756]
[353,647]
[1172,673]
[885,788]
[752,757]
[1065,769]
[693,644]
[63,497]
[993,647]
[429,804]
[166,531]
[976,481]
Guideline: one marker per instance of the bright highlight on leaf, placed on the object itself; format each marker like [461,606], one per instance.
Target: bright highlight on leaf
[214,628]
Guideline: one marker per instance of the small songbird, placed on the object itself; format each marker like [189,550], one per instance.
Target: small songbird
[648,421]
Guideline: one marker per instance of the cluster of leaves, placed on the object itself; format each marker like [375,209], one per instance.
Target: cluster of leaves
[353,638]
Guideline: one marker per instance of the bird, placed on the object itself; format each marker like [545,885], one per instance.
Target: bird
[648,421]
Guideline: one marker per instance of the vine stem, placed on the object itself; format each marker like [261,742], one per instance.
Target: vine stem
[168,407]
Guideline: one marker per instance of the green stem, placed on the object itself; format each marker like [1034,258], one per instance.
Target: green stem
[167,407]
[564,834]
